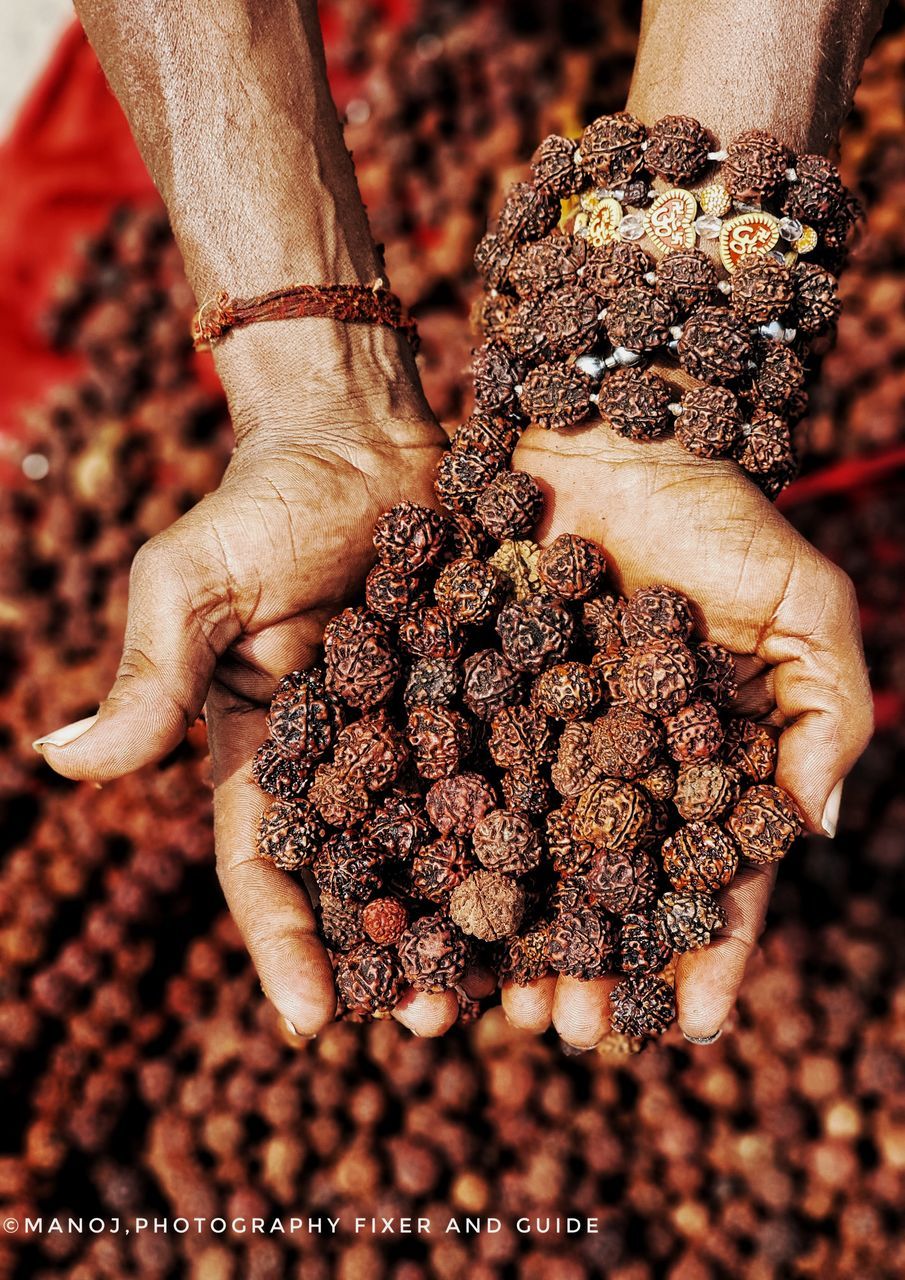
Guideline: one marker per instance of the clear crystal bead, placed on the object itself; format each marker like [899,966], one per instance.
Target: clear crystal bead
[790,229]
[631,227]
[708,226]
[582,233]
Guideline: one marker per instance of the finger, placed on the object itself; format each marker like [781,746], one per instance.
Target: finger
[756,697]
[427,1014]
[529,1007]
[251,667]
[581,1010]
[708,980]
[174,634]
[272,911]
[821,690]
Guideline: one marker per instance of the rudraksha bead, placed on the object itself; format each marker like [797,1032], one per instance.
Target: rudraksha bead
[567,691]
[716,674]
[433,954]
[570,567]
[369,979]
[622,880]
[638,318]
[625,742]
[290,834]
[612,148]
[701,856]
[340,801]
[278,775]
[348,867]
[440,866]
[779,375]
[755,165]
[525,956]
[510,505]
[766,452]
[303,720]
[506,842]
[765,822]
[492,259]
[391,593]
[468,537]
[431,633]
[490,683]
[528,212]
[659,783]
[643,947]
[519,735]
[570,320]
[687,278]
[677,148]
[490,435]
[517,561]
[526,790]
[706,790]
[495,375]
[602,623]
[492,315]
[570,857]
[658,677]
[461,478]
[371,751]
[398,828]
[525,334]
[433,681]
[581,943]
[656,613]
[575,768]
[817,303]
[606,271]
[455,805]
[440,738]
[613,814]
[362,670]
[817,195]
[689,919]
[715,345]
[750,748]
[469,590]
[643,1005]
[545,265]
[556,396]
[555,167]
[410,537]
[761,290]
[384,921]
[694,732]
[488,906]
[534,633]
[340,922]
[635,403]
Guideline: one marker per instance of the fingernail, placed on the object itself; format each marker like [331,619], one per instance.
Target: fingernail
[830,819]
[703,1039]
[63,737]
[293,1030]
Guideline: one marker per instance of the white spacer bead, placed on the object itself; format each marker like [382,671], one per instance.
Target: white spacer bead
[675,408]
[624,357]
[791,175]
[725,286]
[675,331]
[578,157]
[594,398]
[650,277]
[717,155]
[519,389]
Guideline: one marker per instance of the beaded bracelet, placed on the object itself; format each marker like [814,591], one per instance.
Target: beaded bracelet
[575,307]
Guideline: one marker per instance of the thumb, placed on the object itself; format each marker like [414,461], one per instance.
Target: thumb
[175,631]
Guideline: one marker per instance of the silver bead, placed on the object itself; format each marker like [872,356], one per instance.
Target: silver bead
[790,229]
[593,366]
[675,408]
[724,286]
[650,277]
[624,357]
[791,175]
[772,330]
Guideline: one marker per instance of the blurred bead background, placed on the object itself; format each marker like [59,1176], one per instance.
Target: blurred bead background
[143,1071]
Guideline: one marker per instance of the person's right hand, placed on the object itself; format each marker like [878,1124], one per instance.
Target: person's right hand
[221,605]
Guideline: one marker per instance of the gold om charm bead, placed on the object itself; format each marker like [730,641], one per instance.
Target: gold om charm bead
[670,220]
[748,234]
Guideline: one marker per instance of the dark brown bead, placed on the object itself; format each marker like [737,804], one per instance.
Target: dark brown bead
[638,318]
[701,856]
[440,866]
[303,720]
[278,775]
[490,683]
[341,801]
[469,590]
[410,537]
[432,681]
[526,790]
[528,212]
[546,264]
[658,677]
[643,947]
[492,258]
[440,738]
[340,922]
[750,748]
[765,822]
[510,505]
[706,790]
[567,691]
[656,613]
[779,376]
[755,165]
[570,320]
[635,403]
[625,742]
[525,956]
[761,290]
[495,375]
[612,148]
[461,478]
[659,783]
[710,423]
[817,194]
[519,735]
[431,633]
[574,768]
[570,857]
[391,593]
[817,303]
[469,539]
[694,732]
[555,166]
[348,867]
[716,674]
[534,633]
[362,670]
[398,828]
[606,271]
[643,1005]
[687,278]
[372,751]
[689,919]
[526,333]
[677,148]
[622,880]
[506,842]
[455,805]
[766,452]
[369,979]
[613,814]
[488,906]
[715,345]
[490,435]
[384,921]
[571,567]
[581,943]
[433,954]
[556,396]
[602,623]
[290,835]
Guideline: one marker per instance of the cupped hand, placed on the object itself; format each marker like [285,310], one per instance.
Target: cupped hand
[764,593]
[223,603]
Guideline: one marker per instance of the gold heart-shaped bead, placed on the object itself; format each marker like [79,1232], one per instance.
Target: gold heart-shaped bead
[746,235]
[670,220]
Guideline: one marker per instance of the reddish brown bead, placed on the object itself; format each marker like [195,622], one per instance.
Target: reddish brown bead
[279,776]
[391,593]
[817,303]
[755,166]
[487,906]
[643,947]
[625,742]
[340,801]
[687,278]
[567,691]
[574,768]
[528,212]
[700,856]
[490,435]
[434,682]
[613,814]
[612,148]
[384,921]
[431,633]
[495,375]
[658,677]
[556,396]
[372,751]
[492,258]
[433,954]
[716,674]
[659,783]
[362,670]
[643,1005]
[656,613]
[677,148]
[688,920]
[705,791]
[410,537]
[766,452]
[290,834]
[817,195]
[555,167]
[546,264]
[506,842]
[510,505]
[340,922]
[581,943]
[534,633]
[369,980]
[525,790]
[622,880]
[635,403]
[605,272]
[526,334]
[571,567]
[694,732]
[348,867]
[398,828]
[455,805]
[440,866]
[750,748]
[519,735]
[303,719]
[461,478]
[710,423]
[779,376]
[440,739]
[469,590]
[602,624]
[570,320]
[638,318]
[715,345]
[570,857]
[765,822]
[761,290]
[525,956]
[490,683]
